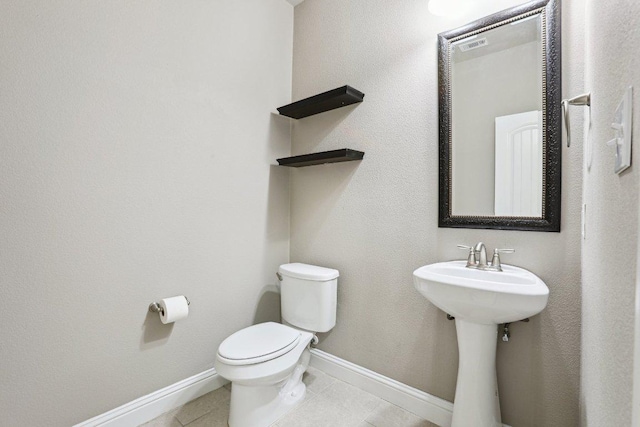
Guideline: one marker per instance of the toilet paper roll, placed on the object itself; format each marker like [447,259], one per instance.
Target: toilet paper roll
[174,308]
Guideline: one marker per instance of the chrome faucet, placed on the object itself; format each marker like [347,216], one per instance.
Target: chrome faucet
[478,257]
[482,250]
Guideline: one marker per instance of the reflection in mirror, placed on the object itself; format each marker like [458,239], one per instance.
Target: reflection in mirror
[499,121]
[496,91]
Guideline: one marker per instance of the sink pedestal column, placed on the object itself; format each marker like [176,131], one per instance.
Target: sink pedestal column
[476,402]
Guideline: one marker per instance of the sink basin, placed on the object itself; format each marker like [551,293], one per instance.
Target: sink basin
[488,297]
[480,300]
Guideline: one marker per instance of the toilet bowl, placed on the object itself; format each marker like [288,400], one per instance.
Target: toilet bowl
[265,362]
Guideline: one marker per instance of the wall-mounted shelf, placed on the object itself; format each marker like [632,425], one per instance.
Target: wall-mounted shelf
[320,103]
[333,156]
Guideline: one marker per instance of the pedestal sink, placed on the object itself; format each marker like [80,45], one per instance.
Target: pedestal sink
[480,300]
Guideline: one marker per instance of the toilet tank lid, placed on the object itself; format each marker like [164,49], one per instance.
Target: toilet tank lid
[308,272]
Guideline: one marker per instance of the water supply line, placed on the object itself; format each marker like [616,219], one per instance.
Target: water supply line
[506,334]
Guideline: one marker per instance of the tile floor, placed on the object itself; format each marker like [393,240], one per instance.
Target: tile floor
[329,403]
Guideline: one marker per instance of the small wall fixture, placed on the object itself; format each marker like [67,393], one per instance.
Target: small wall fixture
[622,127]
[584,99]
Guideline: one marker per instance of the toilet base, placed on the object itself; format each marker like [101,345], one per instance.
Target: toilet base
[261,406]
[253,406]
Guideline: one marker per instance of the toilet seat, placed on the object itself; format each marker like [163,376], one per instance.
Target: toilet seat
[258,343]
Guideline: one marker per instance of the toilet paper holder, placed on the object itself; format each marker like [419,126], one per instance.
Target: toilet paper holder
[154,307]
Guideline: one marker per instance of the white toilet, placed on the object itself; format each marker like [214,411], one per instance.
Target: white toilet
[265,362]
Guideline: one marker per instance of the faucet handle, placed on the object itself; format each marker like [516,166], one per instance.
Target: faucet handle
[495,262]
[471,261]
[503,251]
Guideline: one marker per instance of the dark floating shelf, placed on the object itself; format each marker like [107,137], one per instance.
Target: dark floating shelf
[333,156]
[325,101]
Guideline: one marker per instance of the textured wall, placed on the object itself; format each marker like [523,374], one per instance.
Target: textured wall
[135,149]
[376,221]
[610,249]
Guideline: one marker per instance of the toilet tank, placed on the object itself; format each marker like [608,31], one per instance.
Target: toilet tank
[308,296]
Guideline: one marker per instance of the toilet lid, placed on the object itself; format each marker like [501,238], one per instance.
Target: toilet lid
[258,343]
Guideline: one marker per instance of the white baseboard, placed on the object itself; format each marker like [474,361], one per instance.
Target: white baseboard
[153,405]
[424,405]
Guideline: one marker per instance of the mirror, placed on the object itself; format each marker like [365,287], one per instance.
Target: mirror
[499,83]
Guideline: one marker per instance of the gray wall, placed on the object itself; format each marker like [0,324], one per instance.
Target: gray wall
[135,149]
[609,251]
[376,221]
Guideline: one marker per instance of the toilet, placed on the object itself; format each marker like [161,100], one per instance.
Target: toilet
[265,362]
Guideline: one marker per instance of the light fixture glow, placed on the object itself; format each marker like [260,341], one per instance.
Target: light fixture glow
[449,7]
[472,9]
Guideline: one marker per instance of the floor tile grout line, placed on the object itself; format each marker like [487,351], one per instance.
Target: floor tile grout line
[333,381]
[193,421]
[323,389]
[309,397]
[369,414]
[374,409]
